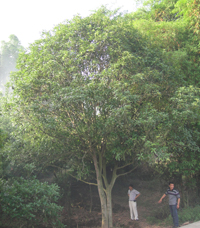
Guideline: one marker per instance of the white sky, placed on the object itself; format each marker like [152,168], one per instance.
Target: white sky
[27,18]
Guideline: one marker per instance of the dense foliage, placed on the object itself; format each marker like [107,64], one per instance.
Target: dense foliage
[99,95]
[174,27]
[29,203]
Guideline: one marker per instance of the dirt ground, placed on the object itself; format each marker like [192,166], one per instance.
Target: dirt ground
[81,217]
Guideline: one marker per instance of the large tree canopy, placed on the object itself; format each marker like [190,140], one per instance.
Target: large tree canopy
[92,90]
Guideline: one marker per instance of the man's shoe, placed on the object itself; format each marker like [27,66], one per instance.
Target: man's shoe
[137,220]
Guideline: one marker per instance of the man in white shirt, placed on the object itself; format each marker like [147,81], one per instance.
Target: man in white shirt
[133,195]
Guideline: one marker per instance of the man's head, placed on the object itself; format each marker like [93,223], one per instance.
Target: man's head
[171,185]
[130,187]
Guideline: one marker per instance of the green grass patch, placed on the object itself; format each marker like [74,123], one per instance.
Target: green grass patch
[189,214]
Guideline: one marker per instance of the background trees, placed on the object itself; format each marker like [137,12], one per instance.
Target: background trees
[8,56]
[173,25]
[174,31]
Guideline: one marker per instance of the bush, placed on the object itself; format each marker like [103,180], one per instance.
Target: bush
[29,203]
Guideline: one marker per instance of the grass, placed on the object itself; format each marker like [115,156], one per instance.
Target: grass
[189,214]
[163,217]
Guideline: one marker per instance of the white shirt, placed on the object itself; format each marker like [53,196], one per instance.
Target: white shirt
[132,194]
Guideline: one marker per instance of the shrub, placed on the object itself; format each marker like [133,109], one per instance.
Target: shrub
[29,203]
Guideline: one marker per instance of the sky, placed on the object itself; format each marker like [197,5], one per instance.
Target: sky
[27,18]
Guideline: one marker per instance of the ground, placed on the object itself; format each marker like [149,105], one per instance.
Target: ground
[148,208]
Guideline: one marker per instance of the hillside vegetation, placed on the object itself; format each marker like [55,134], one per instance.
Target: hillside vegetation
[94,100]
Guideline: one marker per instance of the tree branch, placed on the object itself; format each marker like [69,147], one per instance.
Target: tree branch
[83,181]
[98,174]
[74,176]
[104,175]
[125,166]
[100,162]
[114,176]
[122,174]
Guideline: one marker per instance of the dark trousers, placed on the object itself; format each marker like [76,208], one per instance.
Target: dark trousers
[174,213]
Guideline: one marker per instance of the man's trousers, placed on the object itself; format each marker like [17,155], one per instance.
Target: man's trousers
[133,210]
[174,213]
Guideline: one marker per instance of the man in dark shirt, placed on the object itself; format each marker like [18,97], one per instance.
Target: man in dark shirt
[174,202]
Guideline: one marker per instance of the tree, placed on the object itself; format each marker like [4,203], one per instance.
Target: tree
[183,142]
[8,56]
[189,9]
[176,31]
[90,91]
[174,26]
[157,10]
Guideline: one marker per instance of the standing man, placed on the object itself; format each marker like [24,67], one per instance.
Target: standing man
[174,202]
[133,195]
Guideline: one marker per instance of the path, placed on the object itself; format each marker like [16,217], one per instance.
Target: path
[192,225]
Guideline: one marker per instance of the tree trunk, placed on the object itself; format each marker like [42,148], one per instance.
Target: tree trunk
[103,208]
[102,195]
[105,194]
[109,207]
[91,203]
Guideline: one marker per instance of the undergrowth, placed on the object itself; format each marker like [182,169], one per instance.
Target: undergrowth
[163,217]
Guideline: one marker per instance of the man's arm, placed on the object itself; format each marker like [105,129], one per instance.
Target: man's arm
[160,201]
[178,203]
[137,196]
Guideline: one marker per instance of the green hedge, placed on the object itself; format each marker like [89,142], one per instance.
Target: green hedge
[29,203]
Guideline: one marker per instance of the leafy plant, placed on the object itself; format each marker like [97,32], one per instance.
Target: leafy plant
[29,203]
